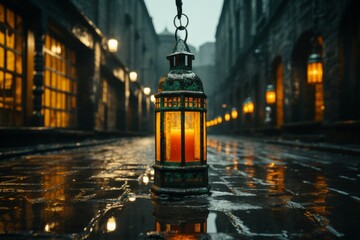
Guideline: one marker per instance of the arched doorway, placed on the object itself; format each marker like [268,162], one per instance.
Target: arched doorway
[307,100]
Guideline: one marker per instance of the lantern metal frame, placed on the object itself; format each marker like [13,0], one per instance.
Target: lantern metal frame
[180,91]
[315,63]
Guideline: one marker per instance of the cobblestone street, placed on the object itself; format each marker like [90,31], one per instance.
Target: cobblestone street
[258,191]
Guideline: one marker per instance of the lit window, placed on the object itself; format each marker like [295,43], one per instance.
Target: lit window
[11,52]
[60,85]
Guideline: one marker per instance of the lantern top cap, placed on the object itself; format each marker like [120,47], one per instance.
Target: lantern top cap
[270,87]
[314,57]
[181,48]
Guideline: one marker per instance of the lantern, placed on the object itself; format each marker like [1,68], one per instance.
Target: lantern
[147,90]
[112,45]
[234,113]
[315,63]
[314,68]
[219,119]
[248,106]
[270,94]
[180,135]
[227,117]
[133,76]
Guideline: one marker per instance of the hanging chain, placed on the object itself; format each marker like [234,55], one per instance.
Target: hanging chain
[180,27]
[179,8]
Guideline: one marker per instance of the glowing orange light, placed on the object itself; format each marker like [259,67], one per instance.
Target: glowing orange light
[270,94]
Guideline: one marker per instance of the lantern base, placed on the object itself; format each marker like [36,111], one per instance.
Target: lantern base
[180,191]
[181,180]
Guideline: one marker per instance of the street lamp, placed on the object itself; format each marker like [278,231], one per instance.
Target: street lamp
[314,68]
[248,106]
[227,116]
[270,94]
[112,45]
[180,134]
[147,90]
[133,76]
[152,98]
[234,113]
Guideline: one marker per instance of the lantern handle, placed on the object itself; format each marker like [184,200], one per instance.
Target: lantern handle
[186,33]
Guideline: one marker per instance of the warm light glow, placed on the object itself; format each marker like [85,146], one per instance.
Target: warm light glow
[56,49]
[145,179]
[112,45]
[175,142]
[270,94]
[227,117]
[248,106]
[131,197]
[111,224]
[234,113]
[219,119]
[59,98]
[147,90]
[315,69]
[133,76]
[152,98]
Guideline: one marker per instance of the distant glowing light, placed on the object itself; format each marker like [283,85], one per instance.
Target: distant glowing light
[133,76]
[147,90]
[113,45]
[111,224]
[145,179]
[271,164]
[132,197]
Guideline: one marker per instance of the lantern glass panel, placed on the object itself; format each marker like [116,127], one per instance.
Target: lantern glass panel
[315,72]
[172,126]
[158,136]
[192,136]
[270,96]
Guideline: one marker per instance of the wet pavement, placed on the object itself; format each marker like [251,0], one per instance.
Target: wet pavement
[259,191]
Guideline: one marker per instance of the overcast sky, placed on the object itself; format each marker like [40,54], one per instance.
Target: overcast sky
[203,14]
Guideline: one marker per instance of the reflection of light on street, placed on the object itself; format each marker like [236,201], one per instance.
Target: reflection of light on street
[227,148]
[131,197]
[235,162]
[322,190]
[271,164]
[111,224]
[234,148]
[251,173]
[275,177]
[145,179]
[249,161]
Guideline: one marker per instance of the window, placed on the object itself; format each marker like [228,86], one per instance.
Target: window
[11,67]
[60,85]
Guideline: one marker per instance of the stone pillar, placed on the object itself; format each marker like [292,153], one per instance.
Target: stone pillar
[37,116]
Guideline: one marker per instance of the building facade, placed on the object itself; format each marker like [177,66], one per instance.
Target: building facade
[57,70]
[263,42]
[204,67]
